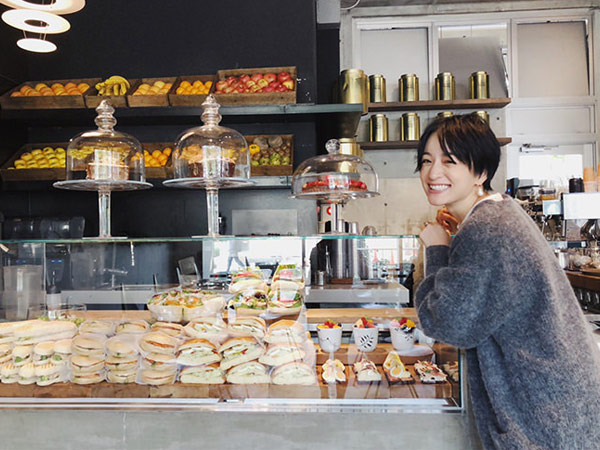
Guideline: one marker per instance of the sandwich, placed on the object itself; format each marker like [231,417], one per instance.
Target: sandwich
[334,371]
[248,279]
[288,275]
[201,304]
[121,376]
[86,364]
[366,371]
[62,352]
[105,327]
[251,372]
[88,345]
[42,353]
[9,373]
[127,364]
[119,348]
[159,343]
[21,355]
[167,306]
[285,302]
[88,378]
[287,285]
[48,374]
[294,373]
[159,361]
[27,374]
[395,370]
[239,350]
[429,372]
[212,328]
[196,352]
[34,331]
[249,302]
[279,354]
[248,326]
[285,332]
[158,377]
[172,329]
[7,332]
[209,374]
[132,327]
[5,353]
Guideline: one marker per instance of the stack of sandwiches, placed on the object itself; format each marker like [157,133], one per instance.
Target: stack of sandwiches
[88,359]
[250,292]
[105,327]
[286,295]
[132,327]
[159,363]
[201,360]
[213,329]
[239,355]
[172,329]
[122,360]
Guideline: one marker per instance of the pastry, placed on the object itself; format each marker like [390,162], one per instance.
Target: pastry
[429,373]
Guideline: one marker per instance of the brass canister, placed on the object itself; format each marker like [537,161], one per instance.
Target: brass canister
[349,146]
[408,87]
[484,115]
[377,89]
[445,114]
[378,128]
[353,87]
[480,85]
[410,127]
[445,88]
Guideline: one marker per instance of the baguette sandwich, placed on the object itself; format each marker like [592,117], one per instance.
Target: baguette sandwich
[132,327]
[279,354]
[105,327]
[48,374]
[248,326]
[209,374]
[251,372]
[88,345]
[212,328]
[35,331]
[239,350]
[9,373]
[158,377]
[172,329]
[159,343]
[285,302]
[86,364]
[294,373]
[196,352]
[251,302]
[285,332]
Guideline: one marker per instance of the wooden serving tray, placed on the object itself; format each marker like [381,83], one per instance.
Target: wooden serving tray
[190,100]
[50,102]
[262,98]
[138,101]
[92,100]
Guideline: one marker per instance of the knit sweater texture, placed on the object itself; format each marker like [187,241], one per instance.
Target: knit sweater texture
[533,366]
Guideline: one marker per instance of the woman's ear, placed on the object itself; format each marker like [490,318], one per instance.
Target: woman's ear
[482,178]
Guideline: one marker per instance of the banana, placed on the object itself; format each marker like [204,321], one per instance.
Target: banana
[115,89]
[123,89]
[120,79]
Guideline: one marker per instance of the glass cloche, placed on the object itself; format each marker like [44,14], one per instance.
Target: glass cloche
[211,153]
[335,177]
[105,156]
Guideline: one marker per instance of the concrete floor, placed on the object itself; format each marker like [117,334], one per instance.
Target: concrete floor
[170,430]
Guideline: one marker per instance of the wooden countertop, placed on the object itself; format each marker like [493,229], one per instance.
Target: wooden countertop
[583,281]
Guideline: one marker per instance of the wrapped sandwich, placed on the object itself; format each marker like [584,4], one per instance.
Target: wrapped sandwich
[196,352]
[294,373]
[251,372]
[248,326]
[279,354]
[240,350]
[285,332]
[251,278]
[208,374]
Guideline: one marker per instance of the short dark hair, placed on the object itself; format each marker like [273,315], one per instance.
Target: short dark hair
[469,139]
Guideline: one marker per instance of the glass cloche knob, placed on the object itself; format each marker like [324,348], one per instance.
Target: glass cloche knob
[105,120]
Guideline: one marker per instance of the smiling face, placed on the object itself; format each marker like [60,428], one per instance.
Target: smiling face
[448,181]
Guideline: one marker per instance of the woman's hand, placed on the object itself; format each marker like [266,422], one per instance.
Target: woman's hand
[434,234]
[447,220]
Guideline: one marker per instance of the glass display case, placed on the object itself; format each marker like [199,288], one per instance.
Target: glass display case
[217,323]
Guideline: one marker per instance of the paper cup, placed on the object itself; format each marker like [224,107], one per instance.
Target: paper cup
[365,338]
[402,341]
[330,339]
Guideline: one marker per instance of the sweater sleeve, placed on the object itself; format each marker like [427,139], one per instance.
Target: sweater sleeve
[462,300]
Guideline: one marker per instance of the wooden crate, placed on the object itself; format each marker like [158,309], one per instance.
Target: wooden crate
[271,171]
[261,98]
[55,173]
[137,101]
[50,102]
[92,100]
[159,172]
[190,100]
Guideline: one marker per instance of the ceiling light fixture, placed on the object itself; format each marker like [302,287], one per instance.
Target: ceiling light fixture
[36,45]
[35,21]
[54,7]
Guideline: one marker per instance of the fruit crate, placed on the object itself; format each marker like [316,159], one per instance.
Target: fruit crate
[49,102]
[190,99]
[46,174]
[137,101]
[159,172]
[270,170]
[92,100]
[259,98]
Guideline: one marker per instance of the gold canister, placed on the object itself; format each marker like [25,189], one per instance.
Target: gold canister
[445,88]
[484,115]
[377,89]
[353,87]
[378,128]
[349,146]
[408,87]
[480,85]
[410,127]
[445,114]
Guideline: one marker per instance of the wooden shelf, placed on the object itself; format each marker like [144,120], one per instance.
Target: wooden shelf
[424,105]
[407,145]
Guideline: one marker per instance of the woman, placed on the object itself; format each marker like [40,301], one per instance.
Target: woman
[497,291]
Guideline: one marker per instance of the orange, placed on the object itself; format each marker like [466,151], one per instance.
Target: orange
[185,84]
[179,91]
[83,87]
[208,84]
[198,83]
[167,151]
[156,153]
[16,94]
[56,85]
[47,93]
[70,85]
[39,86]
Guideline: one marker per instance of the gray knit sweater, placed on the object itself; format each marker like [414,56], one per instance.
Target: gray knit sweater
[533,368]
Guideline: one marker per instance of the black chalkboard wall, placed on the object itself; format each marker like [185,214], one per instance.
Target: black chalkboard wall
[147,38]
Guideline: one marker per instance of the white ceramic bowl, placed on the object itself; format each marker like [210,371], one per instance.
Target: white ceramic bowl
[330,339]
[402,341]
[365,338]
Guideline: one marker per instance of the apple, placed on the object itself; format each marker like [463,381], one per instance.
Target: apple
[263,83]
[240,90]
[281,88]
[275,84]
[221,85]
[283,76]
[228,90]
[270,77]
[260,90]
[230,80]
[250,83]
[268,89]
[255,88]
[289,84]
[244,78]
[256,77]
